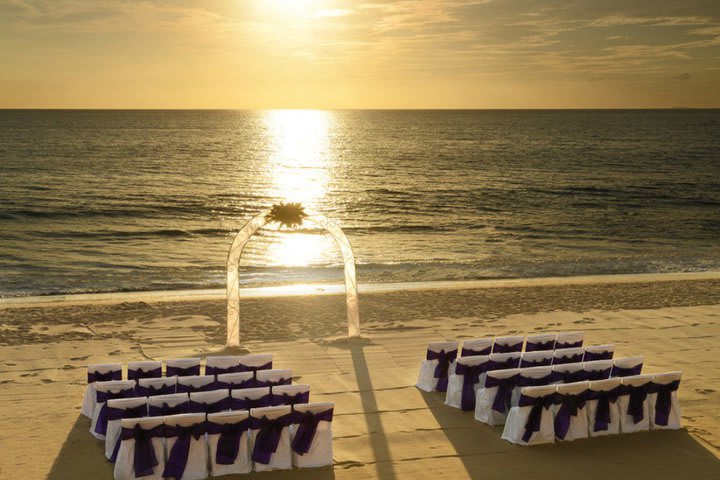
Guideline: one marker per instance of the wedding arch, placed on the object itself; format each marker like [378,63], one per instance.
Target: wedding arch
[291,214]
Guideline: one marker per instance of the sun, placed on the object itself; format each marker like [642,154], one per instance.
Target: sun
[292,8]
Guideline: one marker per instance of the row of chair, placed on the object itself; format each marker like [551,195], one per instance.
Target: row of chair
[512,343]
[545,414]
[194,445]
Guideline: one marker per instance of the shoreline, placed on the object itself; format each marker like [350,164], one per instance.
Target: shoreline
[164,296]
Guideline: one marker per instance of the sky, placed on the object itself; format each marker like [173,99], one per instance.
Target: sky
[258,54]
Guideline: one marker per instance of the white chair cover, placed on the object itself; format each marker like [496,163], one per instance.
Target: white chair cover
[281,458]
[247,398]
[118,409]
[196,467]
[436,352]
[215,365]
[149,387]
[537,402]
[627,366]
[597,370]
[540,342]
[253,363]
[290,394]
[145,369]
[567,373]
[577,424]
[508,344]
[195,383]
[99,372]
[212,401]
[568,355]
[474,366]
[110,389]
[271,378]
[605,391]
[494,396]
[630,421]
[531,377]
[236,380]
[569,340]
[124,465]
[661,417]
[540,358]
[598,352]
[502,361]
[320,451]
[242,463]
[182,367]
[172,404]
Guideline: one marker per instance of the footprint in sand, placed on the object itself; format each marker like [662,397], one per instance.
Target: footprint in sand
[704,391]
[78,359]
[47,380]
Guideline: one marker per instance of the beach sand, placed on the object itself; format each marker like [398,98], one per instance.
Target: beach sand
[384,427]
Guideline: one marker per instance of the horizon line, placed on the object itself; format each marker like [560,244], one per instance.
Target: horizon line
[354,109]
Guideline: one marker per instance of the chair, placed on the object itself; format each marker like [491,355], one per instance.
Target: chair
[531,377]
[597,370]
[531,421]
[270,438]
[227,437]
[98,373]
[632,403]
[567,373]
[272,378]
[182,367]
[477,346]
[569,340]
[149,387]
[137,370]
[118,409]
[599,352]
[186,452]
[434,371]
[173,404]
[540,358]
[570,414]
[105,391]
[212,401]
[247,398]
[253,363]
[311,435]
[195,383]
[236,380]
[141,452]
[602,408]
[215,365]
[663,403]
[508,344]
[493,397]
[502,361]
[463,381]
[290,395]
[540,342]
[624,367]
[568,355]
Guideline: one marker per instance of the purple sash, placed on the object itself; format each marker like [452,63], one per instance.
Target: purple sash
[560,345]
[534,382]
[103,397]
[249,383]
[181,388]
[104,377]
[140,373]
[268,437]
[166,409]
[535,417]
[144,459]
[503,348]
[221,370]
[248,403]
[228,445]
[663,401]
[286,399]
[469,352]
[602,412]
[441,370]
[182,372]
[471,376]
[569,406]
[638,395]
[605,355]
[248,368]
[565,359]
[505,386]
[274,383]
[543,362]
[596,374]
[626,372]
[119,414]
[307,423]
[539,346]
[509,363]
[568,377]
[151,391]
[201,407]
[178,457]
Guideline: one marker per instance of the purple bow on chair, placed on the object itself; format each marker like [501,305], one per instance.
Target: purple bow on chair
[286,399]
[210,370]
[574,358]
[561,345]
[249,383]
[471,376]
[505,386]
[663,401]
[249,368]
[104,377]
[103,397]
[248,403]
[506,348]
[152,390]
[184,388]
[539,346]
[228,445]
[166,409]
[119,414]
[504,365]
[140,373]
[182,371]
[626,372]
[307,427]
[469,352]
[543,362]
[535,417]
[523,381]
[602,412]
[568,377]
[201,407]
[638,395]
[604,355]
[268,436]
[144,459]
[274,383]
[569,406]
[596,374]
[178,457]
[441,370]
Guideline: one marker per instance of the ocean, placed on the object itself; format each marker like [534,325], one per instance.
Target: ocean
[104,201]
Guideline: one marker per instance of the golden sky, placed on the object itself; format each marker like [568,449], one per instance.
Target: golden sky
[359,54]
